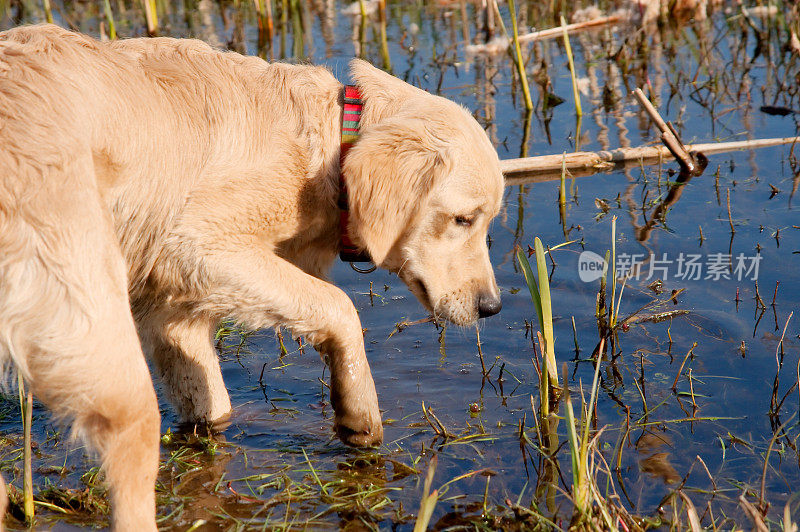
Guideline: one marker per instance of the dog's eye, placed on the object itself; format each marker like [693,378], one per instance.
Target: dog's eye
[465,221]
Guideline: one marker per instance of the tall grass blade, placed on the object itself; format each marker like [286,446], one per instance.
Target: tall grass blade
[387,61]
[284,27]
[298,43]
[518,57]
[362,30]
[151,15]
[575,92]
[48,11]
[547,313]
[613,269]
[530,280]
[314,473]
[112,27]
[26,411]
[265,23]
[579,446]
[562,196]
[572,434]
[429,499]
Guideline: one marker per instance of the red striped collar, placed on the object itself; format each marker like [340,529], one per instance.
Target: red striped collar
[351,119]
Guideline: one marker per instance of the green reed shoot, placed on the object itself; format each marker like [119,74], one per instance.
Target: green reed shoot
[48,11]
[151,14]
[568,48]
[112,28]
[518,54]
[266,27]
[562,190]
[429,499]
[387,61]
[196,525]
[284,24]
[562,195]
[314,473]
[362,30]
[26,411]
[298,44]
[614,309]
[600,309]
[580,444]
[540,295]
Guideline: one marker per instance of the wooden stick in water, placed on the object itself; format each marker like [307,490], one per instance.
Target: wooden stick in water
[668,135]
[548,167]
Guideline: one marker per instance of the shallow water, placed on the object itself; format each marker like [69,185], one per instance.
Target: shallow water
[710,78]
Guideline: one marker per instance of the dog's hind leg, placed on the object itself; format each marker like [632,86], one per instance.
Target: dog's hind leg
[99,380]
[67,326]
[186,361]
[3,502]
[121,421]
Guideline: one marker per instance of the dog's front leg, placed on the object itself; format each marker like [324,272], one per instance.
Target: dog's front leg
[258,288]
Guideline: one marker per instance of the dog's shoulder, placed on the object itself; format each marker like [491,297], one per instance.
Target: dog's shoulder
[142,47]
[40,45]
[46,37]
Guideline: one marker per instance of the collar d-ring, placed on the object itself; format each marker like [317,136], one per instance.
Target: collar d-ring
[364,271]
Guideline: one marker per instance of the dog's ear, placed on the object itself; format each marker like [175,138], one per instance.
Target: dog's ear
[389,173]
[383,94]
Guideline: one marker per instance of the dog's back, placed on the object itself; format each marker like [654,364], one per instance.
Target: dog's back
[103,149]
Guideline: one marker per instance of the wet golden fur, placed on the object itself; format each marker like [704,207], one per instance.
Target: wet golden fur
[151,187]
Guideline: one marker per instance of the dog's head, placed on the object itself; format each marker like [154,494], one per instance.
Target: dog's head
[424,183]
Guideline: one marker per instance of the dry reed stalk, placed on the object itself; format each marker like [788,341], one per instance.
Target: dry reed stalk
[668,134]
[266,25]
[548,167]
[691,513]
[680,369]
[753,514]
[552,33]
[730,218]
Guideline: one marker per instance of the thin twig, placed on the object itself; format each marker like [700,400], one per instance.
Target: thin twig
[780,343]
[728,201]
[675,382]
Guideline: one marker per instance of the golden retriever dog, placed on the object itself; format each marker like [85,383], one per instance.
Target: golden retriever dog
[151,187]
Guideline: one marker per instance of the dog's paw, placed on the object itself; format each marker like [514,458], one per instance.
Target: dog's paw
[360,429]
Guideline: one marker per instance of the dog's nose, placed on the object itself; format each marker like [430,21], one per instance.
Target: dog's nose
[488,305]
